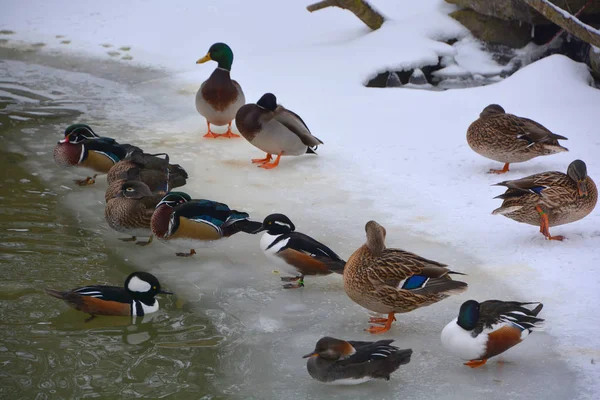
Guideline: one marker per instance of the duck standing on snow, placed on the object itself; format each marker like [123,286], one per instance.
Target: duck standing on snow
[296,252]
[484,330]
[344,362]
[154,171]
[390,281]
[219,97]
[135,298]
[177,216]
[82,147]
[550,198]
[275,130]
[510,139]
[130,211]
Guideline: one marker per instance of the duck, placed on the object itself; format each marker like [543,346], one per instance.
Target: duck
[130,211]
[219,97]
[549,198]
[275,130]
[298,254]
[344,362]
[390,281]
[507,138]
[487,329]
[179,217]
[154,171]
[82,147]
[135,298]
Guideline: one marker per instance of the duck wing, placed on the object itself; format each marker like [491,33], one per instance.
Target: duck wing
[295,124]
[495,312]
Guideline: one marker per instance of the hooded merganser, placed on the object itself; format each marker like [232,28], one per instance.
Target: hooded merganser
[350,363]
[296,252]
[275,130]
[484,330]
[135,298]
[178,216]
[82,147]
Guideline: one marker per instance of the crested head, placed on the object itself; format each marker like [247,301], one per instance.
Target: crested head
[77,132]
[277,224]
[468,316]
[221,53]
[492,109]
[332,349]
[143,284]
[268,101]
[173,199]
[375,237]
[134,190]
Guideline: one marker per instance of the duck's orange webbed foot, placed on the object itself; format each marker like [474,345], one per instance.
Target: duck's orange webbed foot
[273,164]
[262,160]
[476,363]
[90,180]
[377,320]
[381,329]
[229,133]
[210,134]
[545,225]
[500,171]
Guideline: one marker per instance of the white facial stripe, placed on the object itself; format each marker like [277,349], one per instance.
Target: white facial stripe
[138,285]
[283,224]
[82,153]
[63,141]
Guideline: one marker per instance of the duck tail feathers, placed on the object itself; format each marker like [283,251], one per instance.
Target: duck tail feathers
[312,150]
[55,293]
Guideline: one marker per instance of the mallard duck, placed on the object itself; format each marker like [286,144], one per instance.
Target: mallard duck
[82,147]
[219,97]
[344,362]
[550,198]
[130,211]
[135,298]
[275,130]
[296,252]
[177,217]
[484,330]
[390,281]
[154,171]
[510,139]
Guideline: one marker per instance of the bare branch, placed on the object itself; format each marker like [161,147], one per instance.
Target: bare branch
[360,8]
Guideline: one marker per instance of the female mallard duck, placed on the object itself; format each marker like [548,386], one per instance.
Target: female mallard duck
[510,139]
[156,172]
[297,253]
[219,97]
[550,198]
[342,362]
[177,216]
[484,330]
[390,281]
[131,209]
[83,148]
[275,130]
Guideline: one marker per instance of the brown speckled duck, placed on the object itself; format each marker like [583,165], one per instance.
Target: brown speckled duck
[219,97]
[156,172]
[275,130]
[510,139]
[130,211]
[390,281]
[550,198]
[82,147]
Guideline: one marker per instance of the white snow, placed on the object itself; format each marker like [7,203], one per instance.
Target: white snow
[399,154]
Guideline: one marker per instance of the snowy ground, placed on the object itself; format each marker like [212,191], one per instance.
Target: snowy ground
[395,155]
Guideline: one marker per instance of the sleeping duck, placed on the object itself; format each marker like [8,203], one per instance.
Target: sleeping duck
[219,97]
[275,130]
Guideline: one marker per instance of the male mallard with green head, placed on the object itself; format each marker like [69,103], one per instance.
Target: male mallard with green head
[510,139]
[130,211]
[550,198]
[219,97]
[390,281]
[275,130]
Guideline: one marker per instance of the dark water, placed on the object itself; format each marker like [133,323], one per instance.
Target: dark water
[47,351]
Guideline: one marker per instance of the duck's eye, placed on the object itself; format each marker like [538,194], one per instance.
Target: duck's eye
[270,222]
[154,287]
[129,189]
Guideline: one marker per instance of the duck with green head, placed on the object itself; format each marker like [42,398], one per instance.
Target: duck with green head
[219,97]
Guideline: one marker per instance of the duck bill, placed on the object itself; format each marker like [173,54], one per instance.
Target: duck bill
[204,59]
[262,228]
[582,189]
[310,355]
[165,292]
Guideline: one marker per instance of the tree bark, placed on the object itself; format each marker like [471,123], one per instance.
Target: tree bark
[360,8]
[566,21]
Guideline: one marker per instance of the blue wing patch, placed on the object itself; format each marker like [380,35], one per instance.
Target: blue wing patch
[415,282]
[537,189]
